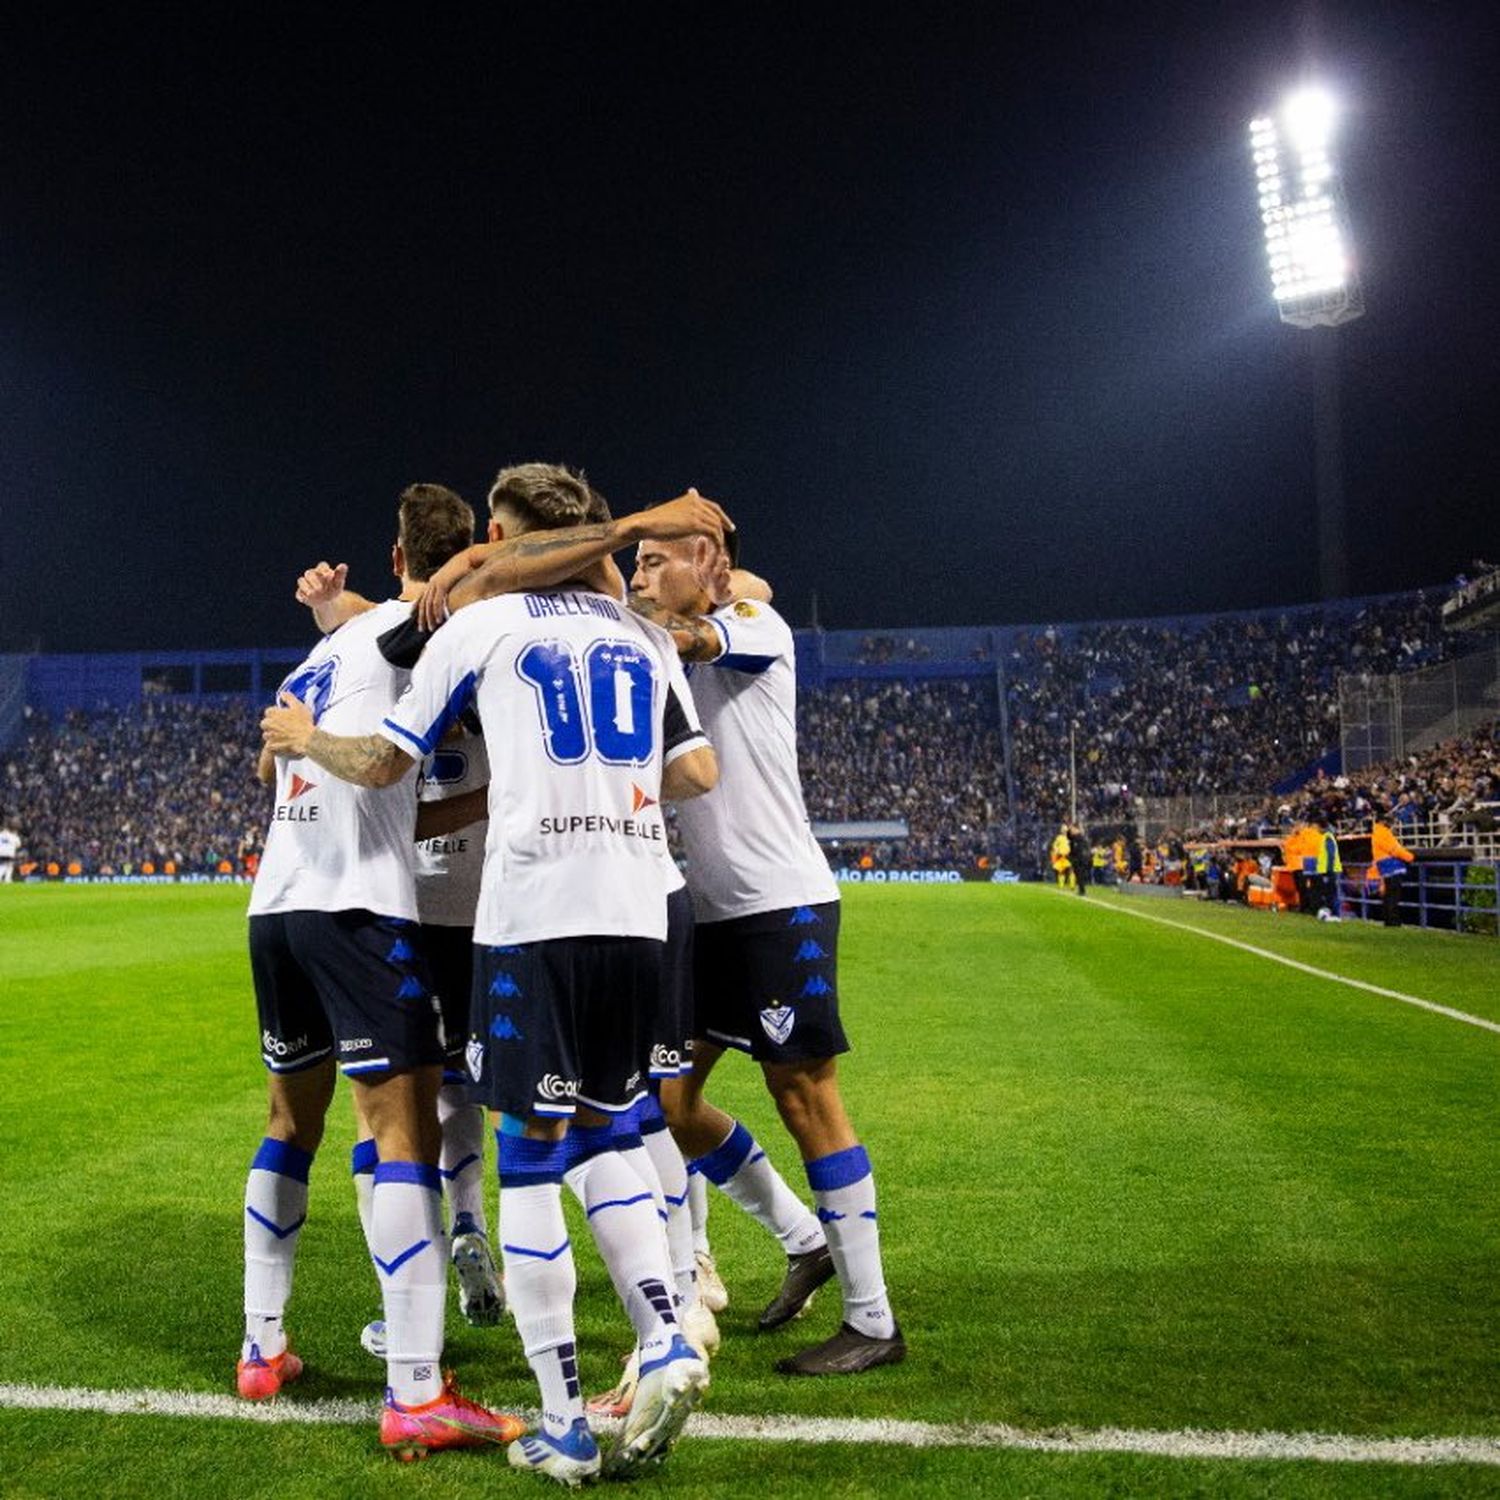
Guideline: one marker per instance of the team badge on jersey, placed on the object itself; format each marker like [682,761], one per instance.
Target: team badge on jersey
[745,609]
[777,1022]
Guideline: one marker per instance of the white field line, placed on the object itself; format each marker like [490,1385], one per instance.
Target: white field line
[1189,1443]
[1292,963]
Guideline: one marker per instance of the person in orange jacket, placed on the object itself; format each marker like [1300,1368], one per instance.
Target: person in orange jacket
[1300,844]
[1391,858]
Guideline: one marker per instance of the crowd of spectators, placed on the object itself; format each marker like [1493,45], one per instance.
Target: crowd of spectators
[1447,790]
[165,783]
[1227,704]
[927,752]
[1221,704]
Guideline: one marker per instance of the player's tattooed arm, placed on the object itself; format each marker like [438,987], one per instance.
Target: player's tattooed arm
[321,589]
[364,759]
[696,639]
[542,559]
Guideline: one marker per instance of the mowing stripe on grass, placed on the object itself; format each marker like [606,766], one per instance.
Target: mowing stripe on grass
[1292,963]
[1189,1443]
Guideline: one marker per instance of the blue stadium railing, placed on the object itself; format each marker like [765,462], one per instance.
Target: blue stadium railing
[1451,895]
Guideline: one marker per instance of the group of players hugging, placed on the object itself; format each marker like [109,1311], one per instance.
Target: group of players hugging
[467,903]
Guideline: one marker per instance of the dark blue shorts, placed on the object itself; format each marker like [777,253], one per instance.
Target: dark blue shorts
[450,958]
[672,1037]
[346,984]
[767,984]
[564,1023]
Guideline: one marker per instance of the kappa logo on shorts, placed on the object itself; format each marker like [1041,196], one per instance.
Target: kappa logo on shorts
[553,1087]
[809,952]
[504,986]
[814,987]
[777,1022]
[804,916]
[474,1058]
[504,1029]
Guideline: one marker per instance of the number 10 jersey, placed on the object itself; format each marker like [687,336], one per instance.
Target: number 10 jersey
[582,704]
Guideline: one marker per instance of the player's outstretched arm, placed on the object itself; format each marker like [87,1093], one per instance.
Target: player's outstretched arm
[365,759]
[434,819]
[321,589]
[537,560]
[690,775]
[265,766]
[695,638]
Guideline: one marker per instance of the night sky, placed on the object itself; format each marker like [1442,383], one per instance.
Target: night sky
[963,314]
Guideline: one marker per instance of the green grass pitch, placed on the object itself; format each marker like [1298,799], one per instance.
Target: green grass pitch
[1128,1178]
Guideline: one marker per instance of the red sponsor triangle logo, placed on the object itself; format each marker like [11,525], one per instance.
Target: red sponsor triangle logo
[299,786]
[639,800]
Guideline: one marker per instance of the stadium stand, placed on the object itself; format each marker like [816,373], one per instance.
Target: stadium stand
[962,735]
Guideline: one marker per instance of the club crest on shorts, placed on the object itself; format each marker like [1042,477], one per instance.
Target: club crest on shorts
[474,1058]
[777,1022]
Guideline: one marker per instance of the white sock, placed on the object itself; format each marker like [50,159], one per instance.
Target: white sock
[672,1174]
[844,1190]
[362,1163]
[462,1160]
[743,1172]
[275,1210]
[410,1252]
[623,1219]
[540,1281]
[698,1209]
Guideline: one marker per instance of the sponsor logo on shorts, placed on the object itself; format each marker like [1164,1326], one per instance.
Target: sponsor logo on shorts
[633,1080]
[777,1022]
[553,1087]
[663,1056]
[278,1048]
[474,1058]
[356,1044]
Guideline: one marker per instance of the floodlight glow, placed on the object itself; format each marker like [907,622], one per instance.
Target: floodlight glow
[1301,211]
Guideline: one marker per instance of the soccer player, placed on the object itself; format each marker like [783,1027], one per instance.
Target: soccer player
[585,736]
[766,959]
[340,982]
[10,847]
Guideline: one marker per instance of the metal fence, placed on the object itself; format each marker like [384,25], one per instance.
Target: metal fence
[1456,896]
[1383,718]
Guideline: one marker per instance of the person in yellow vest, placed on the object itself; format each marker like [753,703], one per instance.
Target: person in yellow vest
[1391,858]
[1327,867]
[1062,862]
[1101,862]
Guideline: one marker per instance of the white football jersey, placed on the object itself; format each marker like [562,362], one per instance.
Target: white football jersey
[334,846]
[10,843]
[574,694]
[448,867]
[749,844]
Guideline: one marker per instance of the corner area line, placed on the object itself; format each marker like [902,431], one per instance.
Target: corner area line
[1189,1443]
[1292,963]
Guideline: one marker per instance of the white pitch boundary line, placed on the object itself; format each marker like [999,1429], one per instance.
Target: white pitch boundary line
[1292,963]
[1189,1443]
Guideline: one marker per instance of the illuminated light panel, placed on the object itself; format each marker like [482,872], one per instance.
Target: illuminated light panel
[1301,211]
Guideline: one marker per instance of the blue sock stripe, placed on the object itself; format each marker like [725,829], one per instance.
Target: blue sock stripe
[869,1213]
[539,1254]
[674,1202]
[724,1161]
[363,1158]
[524,1162]
[282,1158]
[650,1113]
[626,1141]
[417,1173]
[755,1157]
[693,1169]
[274,1227]
[448,1174]
[599,1208]
[585,1142]
[391,1267]
[839,1170]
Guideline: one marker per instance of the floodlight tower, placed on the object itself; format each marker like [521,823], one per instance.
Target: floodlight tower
[1314,281]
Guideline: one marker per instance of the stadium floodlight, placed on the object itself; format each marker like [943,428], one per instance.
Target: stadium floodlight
[1313,276]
